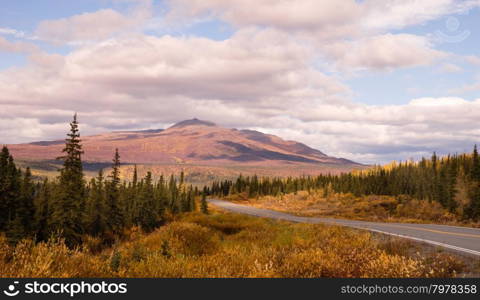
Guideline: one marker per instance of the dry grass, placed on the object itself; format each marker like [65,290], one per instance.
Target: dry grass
[228,245]
[370,208]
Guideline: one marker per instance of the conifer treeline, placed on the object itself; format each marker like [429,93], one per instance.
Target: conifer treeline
[72,208]
[453,181]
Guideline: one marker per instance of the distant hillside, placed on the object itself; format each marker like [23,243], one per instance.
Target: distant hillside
[195,142]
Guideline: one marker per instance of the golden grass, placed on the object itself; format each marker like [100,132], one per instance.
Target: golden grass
[228,245]
[371,208]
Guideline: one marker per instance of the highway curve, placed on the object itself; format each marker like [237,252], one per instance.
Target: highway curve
[462,239]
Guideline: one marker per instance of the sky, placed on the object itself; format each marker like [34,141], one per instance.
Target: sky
[368,80]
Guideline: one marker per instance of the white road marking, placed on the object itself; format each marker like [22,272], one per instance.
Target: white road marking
[283,216]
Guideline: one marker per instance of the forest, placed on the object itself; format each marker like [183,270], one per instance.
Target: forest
[105,207]
[109,227]
[73,209]
[452,181]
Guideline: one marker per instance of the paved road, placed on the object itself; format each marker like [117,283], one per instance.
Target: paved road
[463,239]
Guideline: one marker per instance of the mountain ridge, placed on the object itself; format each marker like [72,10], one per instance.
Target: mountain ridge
[191,141]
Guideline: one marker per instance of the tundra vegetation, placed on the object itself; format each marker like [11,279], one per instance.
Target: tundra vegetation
[68,227]
[441,190]
[228,245]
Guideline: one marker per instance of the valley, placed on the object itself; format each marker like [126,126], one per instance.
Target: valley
[150,217]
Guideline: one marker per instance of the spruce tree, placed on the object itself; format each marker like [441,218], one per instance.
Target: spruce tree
[10,183]
[42,211]
[203,203]
[131,199]
[96,206]
[184,202]
[26,209]
[191,199]
[148,217]
[173,195]
[115,214]
[475,173]
[4,188]
[473,210]
[161,196]
[135,176]
[69,202]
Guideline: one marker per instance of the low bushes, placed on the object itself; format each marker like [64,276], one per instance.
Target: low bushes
[227,245]
[371,207]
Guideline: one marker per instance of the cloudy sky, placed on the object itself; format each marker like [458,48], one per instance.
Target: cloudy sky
[369,80]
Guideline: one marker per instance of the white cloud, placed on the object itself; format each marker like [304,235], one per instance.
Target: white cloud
[251,66]
[257,79]
[85,27]
[93,26]
[353,33]
[384,52]
[376,134]
[130,81]
[17,47]
[395,14]
[266,76]
[12,32]
[438,102]
[331,19]
[342,18]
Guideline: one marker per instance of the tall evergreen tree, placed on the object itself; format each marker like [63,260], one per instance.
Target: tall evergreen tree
[203,203]
[42,212]
[173,195]
[26,209]
[96,206]
[21,224]
[475,173]
[5,188]
[10,184]
[473,210]
[69,200]
[148,217]
[115,216]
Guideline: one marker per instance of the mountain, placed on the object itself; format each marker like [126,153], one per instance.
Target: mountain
[190,141]
[204,146]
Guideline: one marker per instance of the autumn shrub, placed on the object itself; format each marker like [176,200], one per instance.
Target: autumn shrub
[219,222]
[386,265]
[189,238]
[424,210]
[49,259]
[396,246]
[442,265]
[92,244]
[368,207]
[196,246]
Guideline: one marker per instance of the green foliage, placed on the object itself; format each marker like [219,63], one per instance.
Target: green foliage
[96,220]
[435,179]
[115,261]
[114,213]
[43,211]
[10,182]
[22,224]
[259,248]
[69,200]
[473,210]
[203,203]
[72,209]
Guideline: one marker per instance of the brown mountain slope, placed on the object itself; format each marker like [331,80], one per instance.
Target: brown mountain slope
[191,142]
